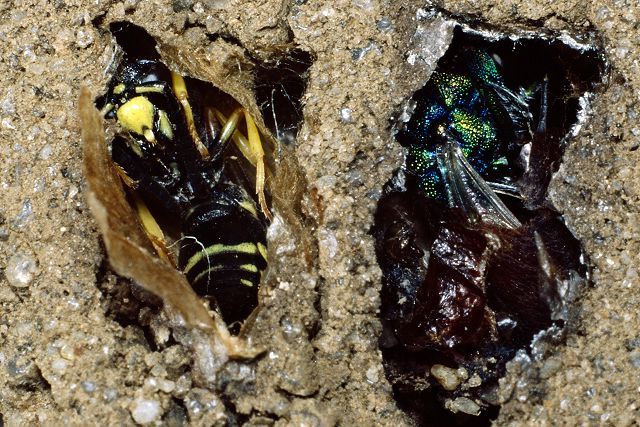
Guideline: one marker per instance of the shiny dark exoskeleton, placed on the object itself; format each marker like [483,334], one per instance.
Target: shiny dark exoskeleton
[474,257]
[173,162]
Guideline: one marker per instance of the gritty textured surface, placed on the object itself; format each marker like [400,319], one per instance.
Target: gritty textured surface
[64,360]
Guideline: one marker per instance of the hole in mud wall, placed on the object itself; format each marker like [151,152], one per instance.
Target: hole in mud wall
[185,151]
[280,85]
[475,259]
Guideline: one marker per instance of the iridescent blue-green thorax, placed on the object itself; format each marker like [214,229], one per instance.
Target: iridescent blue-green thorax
[466,105]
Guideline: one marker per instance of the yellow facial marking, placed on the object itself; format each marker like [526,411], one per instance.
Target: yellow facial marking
[246,282]
[165,125]
[119,89]
[219,248]
[136,115]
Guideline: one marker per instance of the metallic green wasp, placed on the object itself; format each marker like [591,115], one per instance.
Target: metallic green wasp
[465,134]
[473,254]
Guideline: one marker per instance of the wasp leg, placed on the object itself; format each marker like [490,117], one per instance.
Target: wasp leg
[153,230]
[180,89]
[229,131]
[149,223]
[129,170]
[256,147]
[250,147]
[505,189]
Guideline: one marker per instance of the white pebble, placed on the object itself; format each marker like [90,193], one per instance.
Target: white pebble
[145,411]
[67,352]
[84,38]
[166,385]
[59,366]
[346,115]
[20,270]
[372,375]
[464,405]
[448,378]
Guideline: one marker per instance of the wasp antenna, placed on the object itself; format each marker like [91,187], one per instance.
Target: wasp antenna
[544,106]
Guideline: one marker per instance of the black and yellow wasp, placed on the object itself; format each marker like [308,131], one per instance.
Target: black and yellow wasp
[175,157]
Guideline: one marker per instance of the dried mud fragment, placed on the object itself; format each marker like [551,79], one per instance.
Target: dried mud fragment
[131,253]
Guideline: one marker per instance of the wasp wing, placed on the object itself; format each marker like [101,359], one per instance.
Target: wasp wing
[467,190]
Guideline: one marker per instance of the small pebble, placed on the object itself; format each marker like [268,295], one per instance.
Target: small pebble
[158,371]
[550,367]
[634,358]
[384,24]
[198,8]
[73,191]
[166,385]
[464,405]
[290,329]
[7,105]
[24,216]
[183,385]
[45,152]
[110,394]
[448,378]
[145,411]
[151,384]
[372,375]
[200,401]
[475,381]
[20,270]
[346,114]
[67,352]
[328,242]
[152,359]
[84,38]
[59,366]
[88,386]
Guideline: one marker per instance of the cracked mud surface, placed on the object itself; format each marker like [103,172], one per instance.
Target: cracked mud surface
[64,360]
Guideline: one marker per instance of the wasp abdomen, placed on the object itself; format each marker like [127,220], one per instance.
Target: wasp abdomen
[224,252]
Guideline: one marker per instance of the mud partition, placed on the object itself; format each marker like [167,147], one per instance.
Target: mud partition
[80,345]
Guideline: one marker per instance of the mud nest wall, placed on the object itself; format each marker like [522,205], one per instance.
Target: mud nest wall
[64,359]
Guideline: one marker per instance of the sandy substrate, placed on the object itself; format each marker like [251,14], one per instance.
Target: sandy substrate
[65,360]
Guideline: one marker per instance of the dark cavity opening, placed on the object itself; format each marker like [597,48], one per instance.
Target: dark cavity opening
[280,85]
[463,292]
